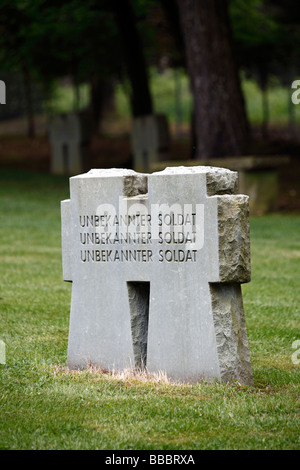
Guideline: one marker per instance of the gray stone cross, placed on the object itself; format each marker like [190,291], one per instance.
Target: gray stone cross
[69,136]
[156,263]
[150,141]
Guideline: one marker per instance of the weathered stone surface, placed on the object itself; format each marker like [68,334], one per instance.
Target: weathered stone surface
[135,185]
[234,238]
[231,334]
[159,288]
[138,295]
[221,181]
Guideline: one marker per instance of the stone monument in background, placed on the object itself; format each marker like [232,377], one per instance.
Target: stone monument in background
[69,136]
[150,141]
[157,261]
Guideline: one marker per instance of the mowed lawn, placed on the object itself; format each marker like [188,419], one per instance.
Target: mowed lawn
[45,406]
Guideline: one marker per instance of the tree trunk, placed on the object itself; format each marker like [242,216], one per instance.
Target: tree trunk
[171,13]
[291,111]
[263,84]
[141,102]
[221,123]
[178,103]
[291,74]
[101,100]
[28,100]
[266,113]
[76,101]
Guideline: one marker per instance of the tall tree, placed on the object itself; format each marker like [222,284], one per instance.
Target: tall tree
[141,101]
[221,124]
[16,51]
[287,15]
[258,39]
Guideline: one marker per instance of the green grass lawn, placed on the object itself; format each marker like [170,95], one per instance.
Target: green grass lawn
[45,406]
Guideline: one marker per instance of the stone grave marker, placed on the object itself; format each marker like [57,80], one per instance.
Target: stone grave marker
[69,137]
[150,140]
[156,261]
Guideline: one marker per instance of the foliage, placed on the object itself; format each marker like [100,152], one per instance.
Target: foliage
[58,39]
[266,34]
[80,39]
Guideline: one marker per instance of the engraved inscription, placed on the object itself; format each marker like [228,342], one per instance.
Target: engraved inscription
[167,234]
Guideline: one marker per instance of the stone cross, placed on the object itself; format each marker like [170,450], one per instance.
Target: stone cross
[69,135]
[156,261]
[150,140]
